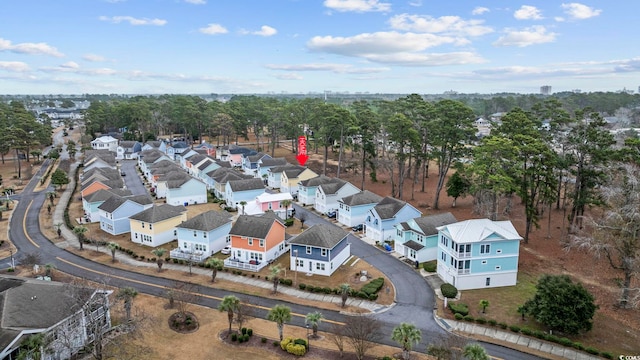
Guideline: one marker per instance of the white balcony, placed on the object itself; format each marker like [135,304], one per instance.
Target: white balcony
[252,265]
[195,256]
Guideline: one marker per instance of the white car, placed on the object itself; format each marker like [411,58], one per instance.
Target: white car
[226,250]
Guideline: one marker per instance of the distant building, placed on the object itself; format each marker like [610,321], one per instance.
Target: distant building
[545,90]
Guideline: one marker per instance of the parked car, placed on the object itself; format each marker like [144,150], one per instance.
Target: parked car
[226,250]
[331,214]
[358,227]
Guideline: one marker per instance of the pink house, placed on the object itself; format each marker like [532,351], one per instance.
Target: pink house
[273,202]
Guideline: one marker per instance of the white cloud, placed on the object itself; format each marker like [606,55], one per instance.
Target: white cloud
[196,2]
[416,3]
[526,37]
[427,59]
[94,58]
[133,21]
[29,48]
[479,10]
[527,12]
[452,25]
[559,19]
[265,30]
[335,68]
[70,65]
[14,66]
[579,11]
[289,77]
[213,29]
[357,5]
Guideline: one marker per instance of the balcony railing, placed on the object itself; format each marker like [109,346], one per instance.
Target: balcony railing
[196,256]
[460,255]
[464,271]
[253,265]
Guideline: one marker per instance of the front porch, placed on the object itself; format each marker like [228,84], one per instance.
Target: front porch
[252,265]
[195,256]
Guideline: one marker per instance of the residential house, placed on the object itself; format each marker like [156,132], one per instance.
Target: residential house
[68,316]
[209,148]
[328,195]
[206,166]
[245,190]
[156,225]
[160,170]
[237,154]
[265,164]
[271,202]
[381,219]
[274,175]
[202,236]
[478,253]
[115,212]
[176,148]
[93,185]
[193,161]
[353,209]
[155,145]
[250,163]
[105,143]
[307,189]
[98,159]
[128,150]
[148,157]
[291,176]
[320,250]
[256,241]
[91,202]
[220,177]
[186,191]
[417,239]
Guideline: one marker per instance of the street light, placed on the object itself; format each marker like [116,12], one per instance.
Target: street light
[308,338]
[296,268]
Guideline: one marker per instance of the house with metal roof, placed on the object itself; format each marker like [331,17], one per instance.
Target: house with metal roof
[353,209]
[256,241]
[320,250]
[156,225]
[382,218]
[202,236]
[417,239]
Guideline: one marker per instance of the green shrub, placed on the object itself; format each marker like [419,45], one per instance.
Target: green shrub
[539,334]
[526,331]
[250,332]
[386,358]
[240,339]
[552,338]
[492,322]
[288,282]
[246,337]
[302,286]
[469,318]
[565,342]
[288,222]
[296,349]
[263,340]
[373,286]
[362,295]
[606,355]
[276,343]
[514,328]
[503,325]
[309,288]
[458,316]
[299,341]
[234,337]
[592,351]
[481,321]
[577,345]
[243,330]
[459,308]
[430,266]
[373,297]
[326,290]
[286,341]
[448,291]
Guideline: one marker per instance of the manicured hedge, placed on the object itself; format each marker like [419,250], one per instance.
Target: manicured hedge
[373,286]
[459,308]
[448,291]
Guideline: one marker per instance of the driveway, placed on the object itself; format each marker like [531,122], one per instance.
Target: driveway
[132,179]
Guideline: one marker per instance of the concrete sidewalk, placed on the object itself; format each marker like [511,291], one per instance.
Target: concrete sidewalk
[72,240]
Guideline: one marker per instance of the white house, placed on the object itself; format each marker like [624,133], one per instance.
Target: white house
[105,143]
[328,194]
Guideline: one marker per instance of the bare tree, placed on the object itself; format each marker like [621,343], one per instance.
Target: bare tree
[615,234]
[244,312]
[447,347]
[362,332]
[183,294]
[337,336]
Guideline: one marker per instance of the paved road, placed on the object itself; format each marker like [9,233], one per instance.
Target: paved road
[415,303]
[132,179]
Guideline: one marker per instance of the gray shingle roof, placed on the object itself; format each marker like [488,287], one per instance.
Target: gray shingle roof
[112,184]
[273,162]
[320,235]
[127,144]
[196,158]
[103,194]
[107,172]
[429,224]
[362,198]
[253,226]
[162,212]
[205,163]
[316,181]
[294,171]
[389,207]
[413,245]
[176,183]
[281,168]
[333,186]
[174,175]
[246,184]
[256,157]
[111,204]
[207,221]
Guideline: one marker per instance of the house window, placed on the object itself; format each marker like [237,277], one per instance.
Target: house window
[250,241]
[270,207]
[399,233]
[324,252]
[194,233]
[485,249]
[499,251]
[175,232]
[320,266]
[484,262]
[412,253]
[308,249]
[204,234]
[375,222]
[142,225]
[300,263]
[184,245]
[487,282]
[136,234]
[261,242]
[150,226]
[369,218]
[228,239]
[498,267]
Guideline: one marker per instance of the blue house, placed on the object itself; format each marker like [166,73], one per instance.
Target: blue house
[382,218]
[353,209]
[478,253]
[203,235]
[250,163]
[265,164]
[307,189]
[417,239]
[91,202]
[243,190]
[115,212]
[320,250]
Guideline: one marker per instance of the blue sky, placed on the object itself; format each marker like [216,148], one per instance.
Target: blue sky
[301,46]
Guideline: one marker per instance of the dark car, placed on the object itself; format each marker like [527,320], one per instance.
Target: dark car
[358,227]
[331,214]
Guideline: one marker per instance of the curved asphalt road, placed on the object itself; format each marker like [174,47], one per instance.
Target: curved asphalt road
[414,298]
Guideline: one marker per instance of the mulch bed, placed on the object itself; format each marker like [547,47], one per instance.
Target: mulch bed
[183,323]
[313,353]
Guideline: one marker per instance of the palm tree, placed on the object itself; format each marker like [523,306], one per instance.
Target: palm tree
[314,319]
[243,203]
[406,335]
[159,253]
[59,228]
[286,203]
[113,247]
[274,271]
[127,294]
[475,352]
[31,347]
[484,304]
[48,269]
[280,314]
[51,195]
[230,304]
[214,264]
[79,231]
[344,293]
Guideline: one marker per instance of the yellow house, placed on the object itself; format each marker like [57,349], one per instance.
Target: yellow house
[291,176]
[157,225]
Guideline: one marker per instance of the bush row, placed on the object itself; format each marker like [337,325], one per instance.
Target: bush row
[373,286]
[244,336]
[338,291]
[296,347]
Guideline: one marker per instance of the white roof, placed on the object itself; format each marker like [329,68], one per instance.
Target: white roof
[476,230]
[266,197]
[105,139]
